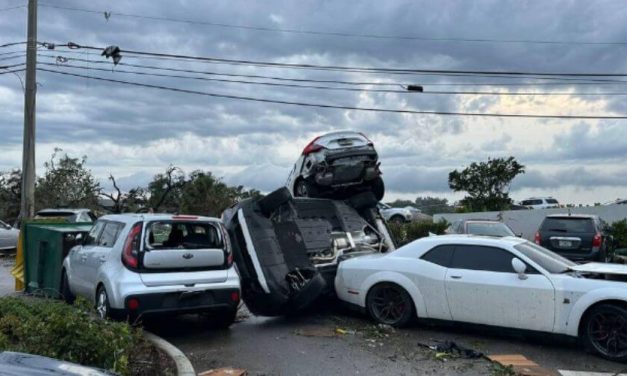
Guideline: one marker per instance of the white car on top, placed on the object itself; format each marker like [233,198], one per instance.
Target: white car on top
[503,282]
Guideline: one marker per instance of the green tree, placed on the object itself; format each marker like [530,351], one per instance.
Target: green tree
[66,183]
[166,190]
[487,183]
[125,202]
[10,194]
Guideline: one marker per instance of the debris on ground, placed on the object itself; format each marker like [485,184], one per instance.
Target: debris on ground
[227,371]
[450,349]
[520,365]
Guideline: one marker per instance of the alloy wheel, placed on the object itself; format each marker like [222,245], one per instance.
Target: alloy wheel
[389,304]
[607,332]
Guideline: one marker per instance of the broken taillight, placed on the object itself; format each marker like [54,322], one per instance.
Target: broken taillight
[596,241]
[537,238]
[312,146]
[130,252]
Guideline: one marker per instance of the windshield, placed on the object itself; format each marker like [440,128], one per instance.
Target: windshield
[550,261]
[69,216]
[566,224]
[489,229]
[186,235]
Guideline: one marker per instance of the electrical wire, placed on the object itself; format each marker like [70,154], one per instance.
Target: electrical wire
[350,69]
[339,88]
[11,8]
[333,34]
[13,57]
[331,106]
[11,44]
[569,81]
[11,71]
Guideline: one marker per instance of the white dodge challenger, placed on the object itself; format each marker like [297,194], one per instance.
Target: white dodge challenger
[503,282]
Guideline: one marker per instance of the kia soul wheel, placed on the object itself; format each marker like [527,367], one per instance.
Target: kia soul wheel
[605,332]
[390,304]
[102,303]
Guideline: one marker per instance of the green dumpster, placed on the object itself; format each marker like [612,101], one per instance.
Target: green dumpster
[45,247]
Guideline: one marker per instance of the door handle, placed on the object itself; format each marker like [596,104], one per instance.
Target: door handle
[83,258]
[102,259]
[456,276]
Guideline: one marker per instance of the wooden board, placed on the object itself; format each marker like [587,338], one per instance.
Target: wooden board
[522,366]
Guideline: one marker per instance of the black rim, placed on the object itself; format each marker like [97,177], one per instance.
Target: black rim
[608,333]
[389,304]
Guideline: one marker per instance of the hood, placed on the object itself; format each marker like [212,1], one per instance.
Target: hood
[601,268]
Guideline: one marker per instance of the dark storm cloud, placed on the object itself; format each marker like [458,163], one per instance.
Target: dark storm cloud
[73,110]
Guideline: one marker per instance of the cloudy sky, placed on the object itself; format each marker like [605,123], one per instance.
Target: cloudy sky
[135,132]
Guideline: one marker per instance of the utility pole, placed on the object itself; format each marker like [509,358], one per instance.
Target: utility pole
[27,209]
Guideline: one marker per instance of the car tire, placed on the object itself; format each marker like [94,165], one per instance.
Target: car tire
[222,319]
[272,201]
[398,219]
[103,309]
[311,291]
[389,304]
[605,321]
[66,293]
[378,188]
[304,188]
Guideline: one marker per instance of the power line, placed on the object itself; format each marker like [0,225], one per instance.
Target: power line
[11,8]
[233,81]
[351,69]
[159,58]
[11,71]
[569,81]
[448,92]
[340,107]
[11,66]
[11,44]
[335,34]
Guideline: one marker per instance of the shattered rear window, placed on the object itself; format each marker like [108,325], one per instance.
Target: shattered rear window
[187,235]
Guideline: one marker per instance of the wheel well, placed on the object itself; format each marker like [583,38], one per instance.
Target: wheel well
[618,303]
[397,216]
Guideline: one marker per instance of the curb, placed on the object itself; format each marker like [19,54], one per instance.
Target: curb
[183,365]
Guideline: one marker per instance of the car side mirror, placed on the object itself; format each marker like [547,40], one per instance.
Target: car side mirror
[519,267]
[79,239]
[520,234]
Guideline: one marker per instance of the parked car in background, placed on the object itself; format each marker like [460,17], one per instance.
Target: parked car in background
[337,165]
[502,282]
[618,201]
[480,227]
[134,264]
[577,237]
[8,237]
[396,215]
[540,203]
[70,215]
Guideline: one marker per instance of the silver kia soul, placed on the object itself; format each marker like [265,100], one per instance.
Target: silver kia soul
[134,264]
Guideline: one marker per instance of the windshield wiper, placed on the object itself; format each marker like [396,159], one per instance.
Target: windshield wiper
[557,229]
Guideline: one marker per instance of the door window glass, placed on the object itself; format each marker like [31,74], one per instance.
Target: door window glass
[93,235]
[110,234]
[440,255]
[475,257]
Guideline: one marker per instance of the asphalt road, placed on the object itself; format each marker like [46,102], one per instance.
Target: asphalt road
[311,345]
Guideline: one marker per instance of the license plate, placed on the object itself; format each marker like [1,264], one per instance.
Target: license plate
[565,243]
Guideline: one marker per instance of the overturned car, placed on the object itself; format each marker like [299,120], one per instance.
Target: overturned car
[287,249]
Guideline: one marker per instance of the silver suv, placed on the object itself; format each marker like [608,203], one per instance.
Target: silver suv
[134,264]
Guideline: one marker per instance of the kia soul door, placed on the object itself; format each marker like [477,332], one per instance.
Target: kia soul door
[184,252]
